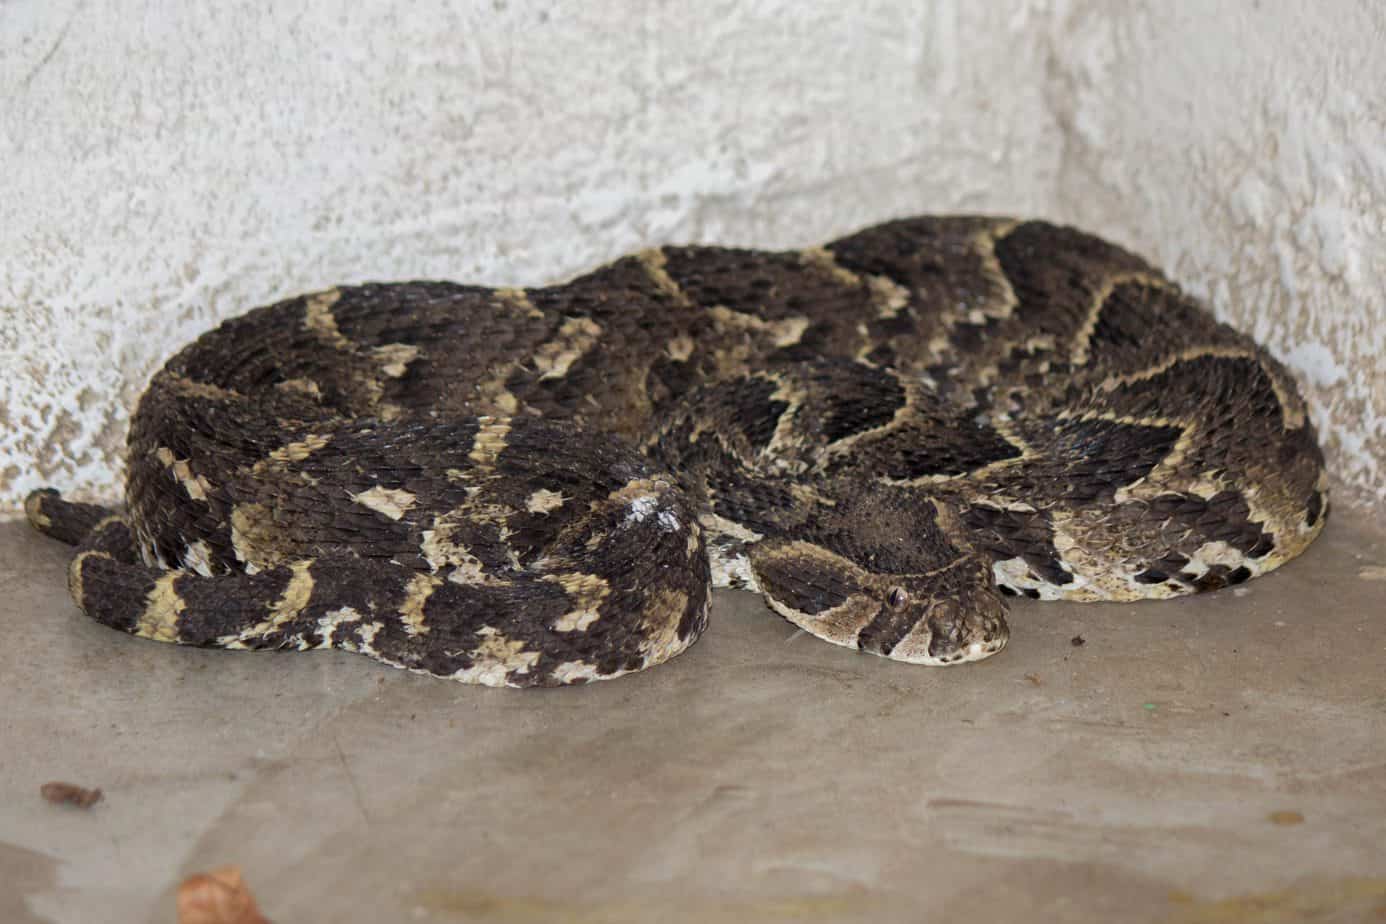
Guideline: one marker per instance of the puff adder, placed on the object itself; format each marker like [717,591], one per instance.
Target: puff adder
[884,436]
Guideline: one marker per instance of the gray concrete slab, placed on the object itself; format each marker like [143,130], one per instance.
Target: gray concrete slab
[1220,758]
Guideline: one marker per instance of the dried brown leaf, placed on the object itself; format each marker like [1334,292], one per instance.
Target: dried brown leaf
[217,897]
[70,794]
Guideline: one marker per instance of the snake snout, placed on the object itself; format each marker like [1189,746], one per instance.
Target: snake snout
[957,630]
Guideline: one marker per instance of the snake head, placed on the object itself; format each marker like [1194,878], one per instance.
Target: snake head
[948,630]
[937,618]
[948,615]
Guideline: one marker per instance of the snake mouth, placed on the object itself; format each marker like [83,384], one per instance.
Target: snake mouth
[962,654]
[976,651]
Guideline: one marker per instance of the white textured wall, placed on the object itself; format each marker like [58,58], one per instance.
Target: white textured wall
[1242,145]
[166,165]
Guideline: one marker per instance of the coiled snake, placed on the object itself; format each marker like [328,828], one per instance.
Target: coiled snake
[883,436]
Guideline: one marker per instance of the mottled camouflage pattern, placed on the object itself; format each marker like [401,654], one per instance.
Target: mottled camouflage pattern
[883,436]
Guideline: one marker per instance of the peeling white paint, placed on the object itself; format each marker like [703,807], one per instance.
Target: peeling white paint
[1315,362]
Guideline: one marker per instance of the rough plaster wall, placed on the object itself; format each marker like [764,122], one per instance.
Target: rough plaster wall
[1243,147]
[168,165]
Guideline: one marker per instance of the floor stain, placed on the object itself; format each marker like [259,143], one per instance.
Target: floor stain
[23,873]
[1336,901]
[1286,818]
[480,905]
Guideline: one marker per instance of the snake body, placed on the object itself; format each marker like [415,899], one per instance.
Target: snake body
[884,436]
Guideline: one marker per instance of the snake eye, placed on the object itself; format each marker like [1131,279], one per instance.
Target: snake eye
[897,597]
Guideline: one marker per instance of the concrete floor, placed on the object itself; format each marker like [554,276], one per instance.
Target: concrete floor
[1220,758]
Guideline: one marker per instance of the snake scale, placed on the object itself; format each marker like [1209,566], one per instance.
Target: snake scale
[884,436]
